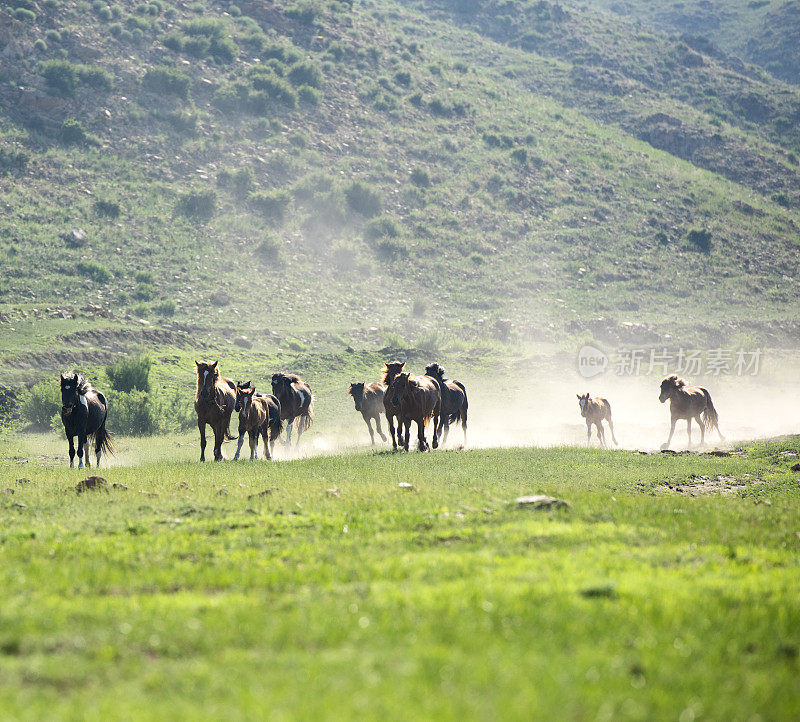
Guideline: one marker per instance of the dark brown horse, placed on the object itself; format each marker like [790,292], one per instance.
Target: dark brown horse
[689,402]
[389,371]
[83,413]
[419,399]
[454,402]
[258,414]
[213,402]
[296,402]
[369,401]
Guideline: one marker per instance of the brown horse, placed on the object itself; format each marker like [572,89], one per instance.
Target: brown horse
[419,399]
[258,414]
[595,410]
[389,371]
[689,402]
[369,401]
[296,402]
[454,402]
[213,402]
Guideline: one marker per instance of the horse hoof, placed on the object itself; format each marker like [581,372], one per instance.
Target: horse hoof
[664,447]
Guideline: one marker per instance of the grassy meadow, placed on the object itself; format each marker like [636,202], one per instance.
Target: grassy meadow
[321,588]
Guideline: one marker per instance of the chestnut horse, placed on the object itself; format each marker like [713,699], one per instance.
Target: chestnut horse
[595,410]
[389,371]
[454,402]
[258,414]
[296,402]
[689,402]
[419,399]
[83,413]
[369,401]
[213,402]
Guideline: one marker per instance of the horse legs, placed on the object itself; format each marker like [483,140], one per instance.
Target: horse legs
[464,425]
[289,423]
[71,440]
[367,421]
[588,432]
[702,429]
[611,426]
[444,429]
[671,432]
[219,437]
[390,421]
[437,418]
[239,445]
[202,426]
[689,431]
[421,443]
[253,436]
[81,444]
[265,436]
[378,426]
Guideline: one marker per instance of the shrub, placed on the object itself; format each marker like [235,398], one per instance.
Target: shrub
[197,46]
[389,249]
[61,76]
[309,95]
[207,27]
[520,155]
[109,209]
[136,413]
[116,30]
[165,308]
[305,13]
[167,81]
[420,178]
[699,239]
[242,181]
[95,77]
[130,374]
[305,73]
[402,77]
[363,199]
[11,159]
[24,15]
[53,36]
[105,14]
[40,46]
[264,78]
[271,204]
[269,250]
[198,204]
[378,228]
[41,404]
[224,50]
[282,52]
[94,271]
[174,41]
[143,277]
[72,132]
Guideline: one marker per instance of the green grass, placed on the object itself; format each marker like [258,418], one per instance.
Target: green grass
[442,602]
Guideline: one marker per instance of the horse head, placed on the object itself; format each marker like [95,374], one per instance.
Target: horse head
[390,370]
[583,399]
[399,387]
[356,390]
[244,395]
[71,386]
[279,382]
[667,386]
[207,375]
[435,371]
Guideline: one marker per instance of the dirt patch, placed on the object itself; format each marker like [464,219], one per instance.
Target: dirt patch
[695,485]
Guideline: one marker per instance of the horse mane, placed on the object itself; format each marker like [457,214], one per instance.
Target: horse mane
[82,384]
[392,368]
[435,371]
[677,382]
[293,378]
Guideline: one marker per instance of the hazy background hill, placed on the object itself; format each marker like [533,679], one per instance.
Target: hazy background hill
[457,176]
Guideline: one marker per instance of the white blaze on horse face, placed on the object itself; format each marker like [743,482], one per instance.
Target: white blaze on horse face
[205,376]
[582,403]
[67,387]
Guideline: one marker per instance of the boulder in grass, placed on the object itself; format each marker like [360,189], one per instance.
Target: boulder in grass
[540,501]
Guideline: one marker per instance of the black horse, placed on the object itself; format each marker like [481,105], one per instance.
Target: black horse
[83,413]
[454,402]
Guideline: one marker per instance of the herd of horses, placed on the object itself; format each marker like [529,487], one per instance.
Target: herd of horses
[403,398]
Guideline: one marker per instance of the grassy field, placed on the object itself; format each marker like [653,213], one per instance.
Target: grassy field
[320,588]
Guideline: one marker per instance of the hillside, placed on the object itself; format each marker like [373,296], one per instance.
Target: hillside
[375,174]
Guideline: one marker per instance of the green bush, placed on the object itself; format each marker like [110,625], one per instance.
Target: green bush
[24,15]
[53,36]
[378,228]
[305,73]
[61,76]
[105,14]
[167,81]
[242,181]
[700,240]
[40,46]
[198,204]
[271,204]
[363,199]
[109,209]
[420,178]
[269,250]
[130,374]
[309,95]
[41,404]
[402,77]
[165,309]
[116,30]
[136,413]
[197,46]
[305,13]
[72,132]
[207,27]
[224,50]
[11,159]
[264,78]
[95,77]
[93,270]
[174,41]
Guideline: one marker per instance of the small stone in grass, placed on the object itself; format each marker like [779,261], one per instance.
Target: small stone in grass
[332,492]
[405,485]
[540,501]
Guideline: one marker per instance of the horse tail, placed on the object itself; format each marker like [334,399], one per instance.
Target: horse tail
[462,410]
[103,439]
[710,416]
[275,423]
[304,424]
